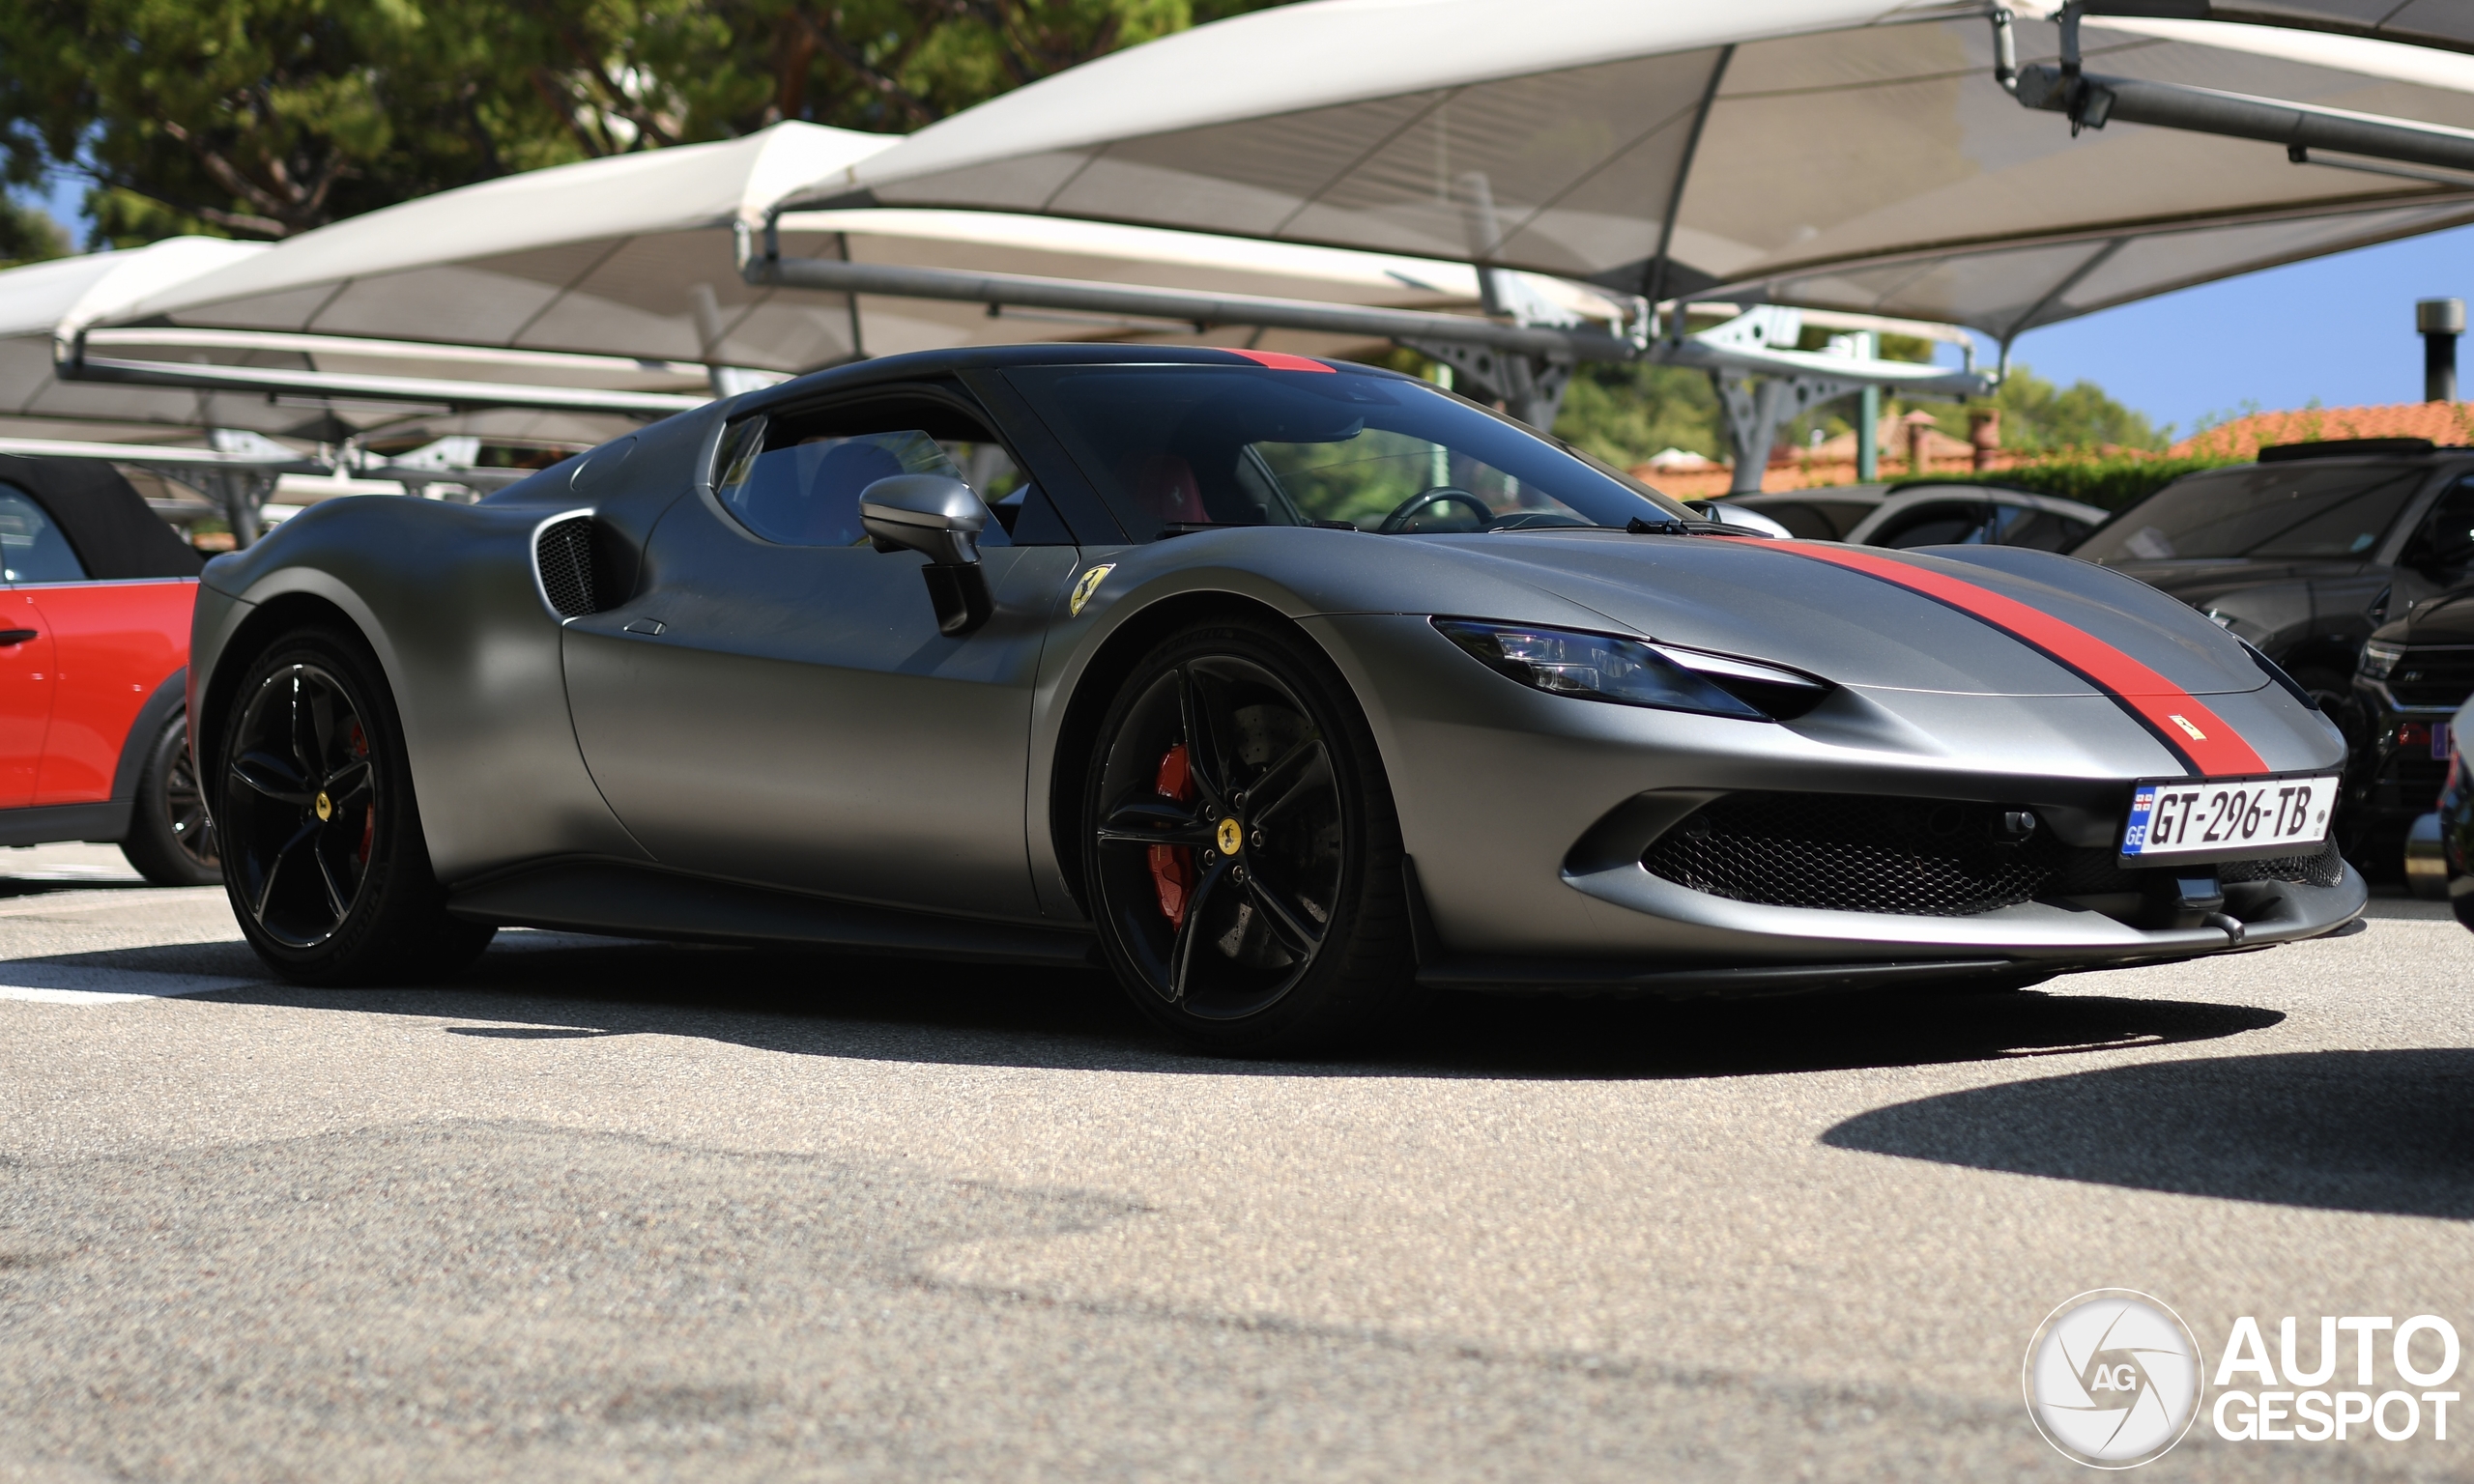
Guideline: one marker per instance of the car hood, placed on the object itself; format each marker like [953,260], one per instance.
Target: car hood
[2447,619]
[1767,600]
[2201,583]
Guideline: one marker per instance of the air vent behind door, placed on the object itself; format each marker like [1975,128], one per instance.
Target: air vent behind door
[562,558]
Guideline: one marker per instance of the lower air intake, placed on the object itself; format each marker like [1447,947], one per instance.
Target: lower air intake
[563,556]
[1916,856]
[1912,857]
[2323,867]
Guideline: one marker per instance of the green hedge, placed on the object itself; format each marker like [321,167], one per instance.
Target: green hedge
[2113,484]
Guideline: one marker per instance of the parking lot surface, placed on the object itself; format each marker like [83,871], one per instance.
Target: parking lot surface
[607,1210]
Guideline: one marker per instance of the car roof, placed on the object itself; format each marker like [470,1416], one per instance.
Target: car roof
[1903,501]
[106,521]
[920,365]
[1841,494]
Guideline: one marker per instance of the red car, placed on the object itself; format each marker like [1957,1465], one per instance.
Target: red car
[93,657]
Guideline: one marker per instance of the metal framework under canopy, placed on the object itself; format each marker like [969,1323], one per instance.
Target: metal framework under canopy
[455,396]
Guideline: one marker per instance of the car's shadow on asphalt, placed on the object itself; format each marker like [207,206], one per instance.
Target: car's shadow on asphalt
[2385,1132]
[533,987]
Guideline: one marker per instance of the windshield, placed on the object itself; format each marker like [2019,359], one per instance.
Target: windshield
[1176,447]
[2259,510]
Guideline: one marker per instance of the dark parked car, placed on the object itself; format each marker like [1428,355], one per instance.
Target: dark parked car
[2449,835]
[1933,513]
[2307,551]
[2415,672]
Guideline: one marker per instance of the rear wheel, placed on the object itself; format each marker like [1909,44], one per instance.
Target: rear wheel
[321,845]
[170,840]
[1241,850]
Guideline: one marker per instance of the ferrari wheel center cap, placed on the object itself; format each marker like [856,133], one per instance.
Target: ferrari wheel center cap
[1231,835]
[325,807]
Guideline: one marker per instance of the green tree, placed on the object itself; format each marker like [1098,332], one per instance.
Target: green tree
[1623,413]
[265,118]
[2037,417]
[28,233]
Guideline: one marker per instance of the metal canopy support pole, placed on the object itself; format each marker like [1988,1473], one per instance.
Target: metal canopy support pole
[1755,413]
[2091,101]
[1531,387]
[1868,416]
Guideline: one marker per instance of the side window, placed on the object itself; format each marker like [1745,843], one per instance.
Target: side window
[32,549]
[1944,524]
[795,478]
[1803,520]
[2444,548]
[2040,530]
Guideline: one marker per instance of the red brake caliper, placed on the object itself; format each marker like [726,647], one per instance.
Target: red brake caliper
[1172,867]
[368,817]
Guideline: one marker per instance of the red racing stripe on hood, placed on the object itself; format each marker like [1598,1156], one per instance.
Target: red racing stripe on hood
[2203,739]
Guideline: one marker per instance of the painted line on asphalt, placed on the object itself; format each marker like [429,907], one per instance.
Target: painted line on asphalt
[61,984]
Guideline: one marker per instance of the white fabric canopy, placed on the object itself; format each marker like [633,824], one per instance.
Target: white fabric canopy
[636,256]
[1845,154]
[37,299]
[2448,23]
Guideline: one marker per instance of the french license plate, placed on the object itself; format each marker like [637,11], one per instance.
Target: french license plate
[2224,819]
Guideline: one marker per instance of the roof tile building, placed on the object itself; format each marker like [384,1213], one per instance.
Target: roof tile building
[2442,422]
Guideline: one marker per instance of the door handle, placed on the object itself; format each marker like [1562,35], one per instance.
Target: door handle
[18,636]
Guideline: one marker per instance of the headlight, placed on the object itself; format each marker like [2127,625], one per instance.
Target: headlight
[1634,672]
[2377,660]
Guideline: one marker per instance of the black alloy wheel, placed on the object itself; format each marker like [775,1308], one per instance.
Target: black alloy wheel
[1241,851]
[301,806]
[323,858]
[171,837]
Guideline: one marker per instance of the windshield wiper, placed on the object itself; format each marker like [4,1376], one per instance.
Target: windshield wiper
[1640,528]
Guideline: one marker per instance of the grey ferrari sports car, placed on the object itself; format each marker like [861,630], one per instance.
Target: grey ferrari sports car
[1282,688]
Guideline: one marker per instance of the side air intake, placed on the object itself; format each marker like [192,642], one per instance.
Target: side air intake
[563,556]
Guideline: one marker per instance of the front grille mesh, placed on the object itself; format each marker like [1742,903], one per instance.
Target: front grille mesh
[2322,867]
[2432,677]
[1911,857]
[565,555]
[1918,857]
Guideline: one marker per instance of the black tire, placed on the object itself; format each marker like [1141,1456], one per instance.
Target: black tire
[1277,759]
[2331,690]
[321,845]
[170,840]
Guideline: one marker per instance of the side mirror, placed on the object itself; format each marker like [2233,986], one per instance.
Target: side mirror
[941,518]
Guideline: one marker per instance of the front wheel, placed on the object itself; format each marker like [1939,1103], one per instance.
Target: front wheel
[321,845]
[1241,850]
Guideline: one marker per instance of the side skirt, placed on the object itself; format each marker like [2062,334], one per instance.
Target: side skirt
[641,901]
[104,823]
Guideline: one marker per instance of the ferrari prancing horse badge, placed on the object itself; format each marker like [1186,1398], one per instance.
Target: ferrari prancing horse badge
[1087,584]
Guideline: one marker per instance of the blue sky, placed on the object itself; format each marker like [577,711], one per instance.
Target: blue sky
[2338,329]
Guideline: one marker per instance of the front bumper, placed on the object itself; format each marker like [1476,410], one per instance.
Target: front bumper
[1526,815]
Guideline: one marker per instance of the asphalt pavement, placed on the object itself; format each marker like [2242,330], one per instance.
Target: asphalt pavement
[600,1211]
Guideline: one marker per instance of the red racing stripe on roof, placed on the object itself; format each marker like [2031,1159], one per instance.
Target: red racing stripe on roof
[2205,741]
[1278,360]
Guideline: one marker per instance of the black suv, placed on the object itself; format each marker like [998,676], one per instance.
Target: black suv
[2415,672]
[2307,551]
